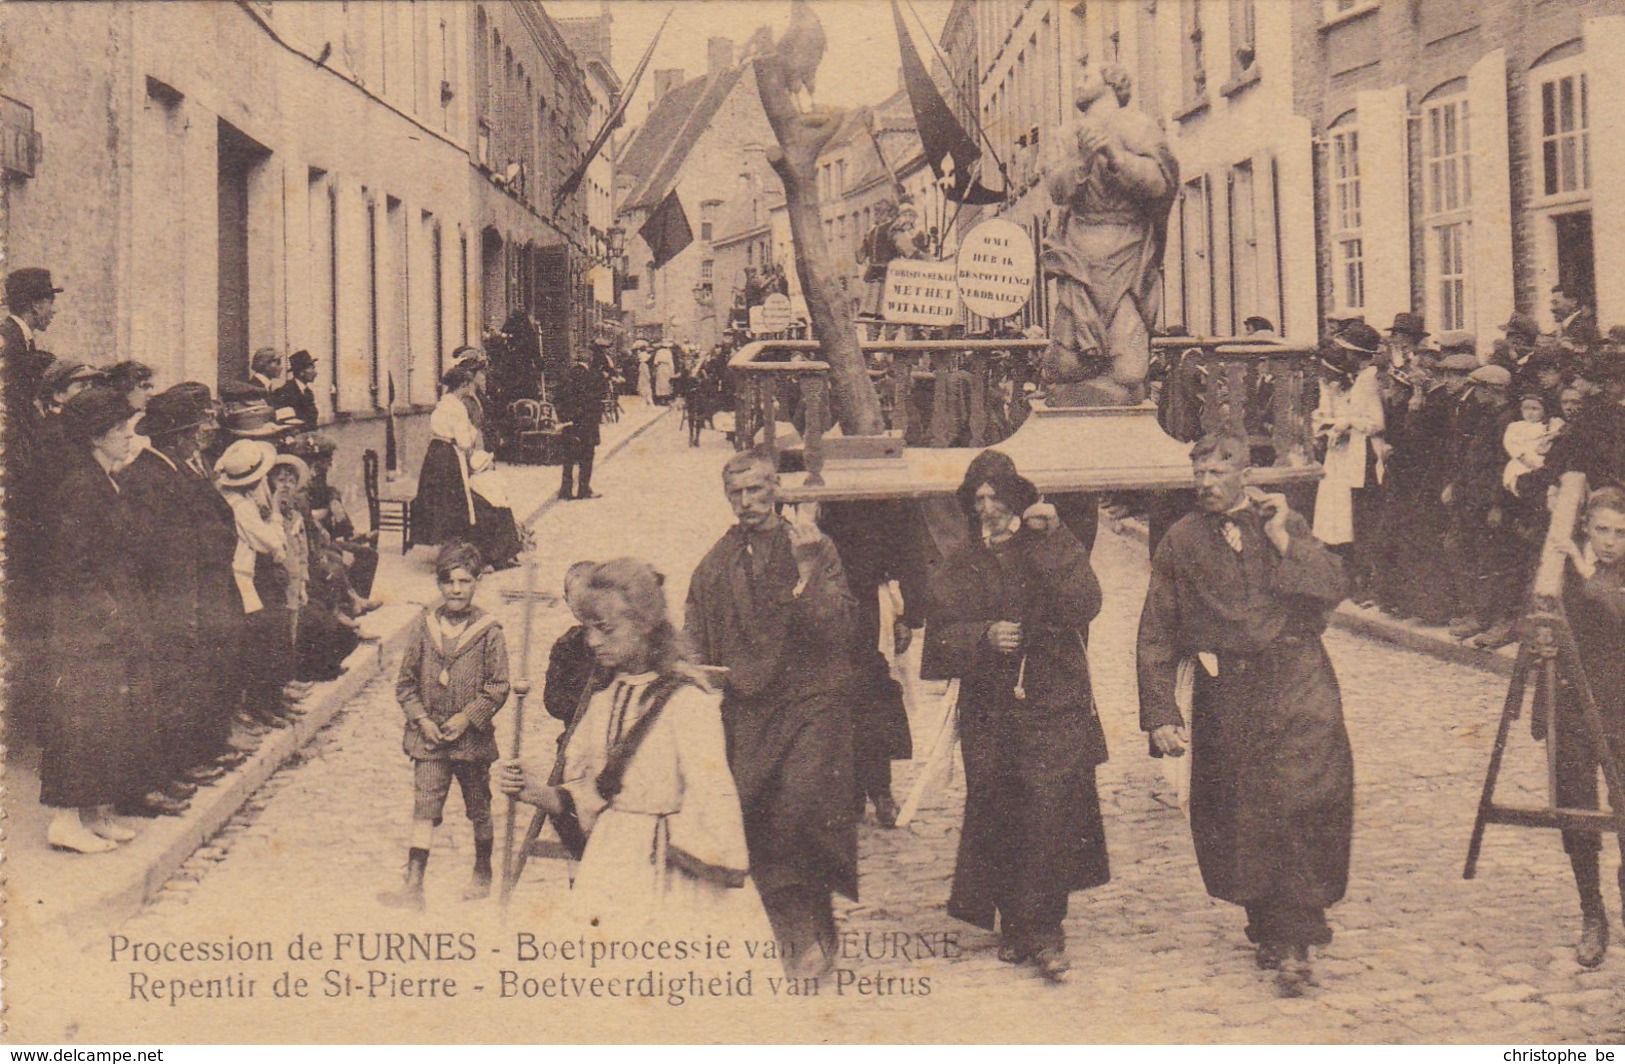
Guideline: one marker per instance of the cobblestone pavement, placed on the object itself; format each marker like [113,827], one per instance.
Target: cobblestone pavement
[1420,955]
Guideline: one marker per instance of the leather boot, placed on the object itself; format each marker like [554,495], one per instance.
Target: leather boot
[410,896]
[480,886]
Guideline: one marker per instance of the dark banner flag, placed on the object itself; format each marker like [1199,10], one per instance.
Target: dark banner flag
[573,182]
[941,135]
[667,231]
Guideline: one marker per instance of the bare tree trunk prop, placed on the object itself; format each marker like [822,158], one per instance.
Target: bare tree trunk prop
[801,137]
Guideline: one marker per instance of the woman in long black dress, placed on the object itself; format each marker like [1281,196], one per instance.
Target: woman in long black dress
[1009,616]
[95,753]
[447,507]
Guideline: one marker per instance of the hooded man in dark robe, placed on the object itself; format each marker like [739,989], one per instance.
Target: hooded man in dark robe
[770,604]
[1244,589]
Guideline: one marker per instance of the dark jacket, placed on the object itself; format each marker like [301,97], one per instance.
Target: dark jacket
[301,400]
[571,673]
[1030,736]
[98,747]
[581,402]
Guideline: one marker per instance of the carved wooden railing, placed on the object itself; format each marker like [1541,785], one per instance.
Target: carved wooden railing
[1261,392]
[785,378]
[1264,393]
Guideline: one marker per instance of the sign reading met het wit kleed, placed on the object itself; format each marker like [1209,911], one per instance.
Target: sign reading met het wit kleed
[920,292]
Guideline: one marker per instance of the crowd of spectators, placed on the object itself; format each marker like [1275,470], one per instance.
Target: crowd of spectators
[1437,485]
[178,571]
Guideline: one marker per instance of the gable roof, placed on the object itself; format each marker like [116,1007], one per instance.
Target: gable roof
[657,154]
[643,152]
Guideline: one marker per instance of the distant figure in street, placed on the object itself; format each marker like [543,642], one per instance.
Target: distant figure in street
[581,405]
[665,368]
[1239,596]
[453,681]
[1594,601]
[1009,616]
[770,604]
[1350,420]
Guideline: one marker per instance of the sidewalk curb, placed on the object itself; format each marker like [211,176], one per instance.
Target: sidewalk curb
[1374,625]
[228,797]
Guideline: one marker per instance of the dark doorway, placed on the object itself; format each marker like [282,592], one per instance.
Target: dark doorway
[553,309]
[238,158]
[1576,261]
[493,279]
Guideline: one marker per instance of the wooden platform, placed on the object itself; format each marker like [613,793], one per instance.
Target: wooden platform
[1059,450]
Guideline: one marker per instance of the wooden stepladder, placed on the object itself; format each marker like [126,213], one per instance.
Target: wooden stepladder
[1548,653]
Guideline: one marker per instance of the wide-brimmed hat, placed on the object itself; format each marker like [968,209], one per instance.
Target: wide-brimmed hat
[293,462]
[1360,337]
[244,463]
[1521,325]
[253,420]
[1406,324]
[1494,376]
[29,285]
[175,410]
[63,371]
[93,412]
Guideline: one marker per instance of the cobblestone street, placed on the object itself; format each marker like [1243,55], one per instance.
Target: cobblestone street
[1420,955]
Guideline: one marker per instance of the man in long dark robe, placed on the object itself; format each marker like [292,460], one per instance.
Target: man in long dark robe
[878,541]
[1009,616]
[1243,587]
[770,604]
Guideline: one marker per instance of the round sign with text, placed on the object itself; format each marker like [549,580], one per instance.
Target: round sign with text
[996,267]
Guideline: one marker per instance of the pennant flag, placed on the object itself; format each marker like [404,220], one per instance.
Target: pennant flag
[573,182]
[391,455]
[941,135]
[667,231]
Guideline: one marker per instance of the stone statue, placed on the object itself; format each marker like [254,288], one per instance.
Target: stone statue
[1116,181]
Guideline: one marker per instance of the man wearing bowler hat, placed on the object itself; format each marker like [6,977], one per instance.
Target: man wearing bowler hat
[31,306]
[296,393]
[1404,337]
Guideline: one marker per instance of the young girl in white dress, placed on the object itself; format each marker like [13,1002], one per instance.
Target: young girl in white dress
[646,797]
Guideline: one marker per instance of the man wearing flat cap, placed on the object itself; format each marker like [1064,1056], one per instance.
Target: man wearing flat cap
[1521,334]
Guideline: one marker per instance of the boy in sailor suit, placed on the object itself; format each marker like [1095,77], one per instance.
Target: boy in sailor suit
[453,680]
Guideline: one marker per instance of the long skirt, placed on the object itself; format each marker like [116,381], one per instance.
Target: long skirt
[440,513]
[624,883]
[1033,830]
[99,743]
[1272,778]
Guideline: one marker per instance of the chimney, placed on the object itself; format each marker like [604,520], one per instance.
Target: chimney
[665,81]
[719,55]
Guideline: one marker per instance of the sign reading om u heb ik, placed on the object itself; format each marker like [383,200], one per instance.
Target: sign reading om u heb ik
[992,277]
